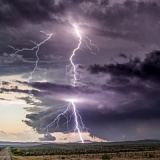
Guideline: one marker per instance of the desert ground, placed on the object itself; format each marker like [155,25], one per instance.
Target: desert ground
[93,151]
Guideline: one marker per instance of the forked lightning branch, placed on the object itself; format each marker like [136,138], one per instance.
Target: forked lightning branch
[71,70]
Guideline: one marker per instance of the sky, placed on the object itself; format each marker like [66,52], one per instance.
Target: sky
[119,98]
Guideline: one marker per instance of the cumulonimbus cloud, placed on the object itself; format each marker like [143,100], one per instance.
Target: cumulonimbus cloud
[125,98]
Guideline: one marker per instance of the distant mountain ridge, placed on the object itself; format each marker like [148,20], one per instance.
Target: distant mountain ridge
[8,143]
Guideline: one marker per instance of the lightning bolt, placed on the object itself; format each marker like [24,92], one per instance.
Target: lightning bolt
[73,54]
[72,67]
[36,47]
[71,70]
[76,121]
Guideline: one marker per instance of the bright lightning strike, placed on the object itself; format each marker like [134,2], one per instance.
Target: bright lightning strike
[73,54]
[76,121]
[36,47]
[71,70]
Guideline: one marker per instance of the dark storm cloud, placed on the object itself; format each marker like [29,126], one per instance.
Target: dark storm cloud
[9,64]
[21,20]
[147,69]
[29,100]
[40,120]
[35,11]
[59,88]
[15,89]
[137,21]
[130,94]
[24,69]
[104,122]
[127,102]
[122,55]
[15,12]
[132,20]
[53,95]
[33,109]
[130,98]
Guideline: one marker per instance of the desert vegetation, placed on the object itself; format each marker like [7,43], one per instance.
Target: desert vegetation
[103,151]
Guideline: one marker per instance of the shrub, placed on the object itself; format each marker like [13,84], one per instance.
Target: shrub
[151,155]
[105,157]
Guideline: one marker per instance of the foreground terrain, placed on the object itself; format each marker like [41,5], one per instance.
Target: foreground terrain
[97,151]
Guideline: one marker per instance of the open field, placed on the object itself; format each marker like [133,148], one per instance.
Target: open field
[96,151]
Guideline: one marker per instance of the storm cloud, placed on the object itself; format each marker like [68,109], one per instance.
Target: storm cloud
[21,21]
[120,95]
[147,69]
[121,100]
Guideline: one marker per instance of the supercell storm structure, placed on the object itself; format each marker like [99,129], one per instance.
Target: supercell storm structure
[72,71]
